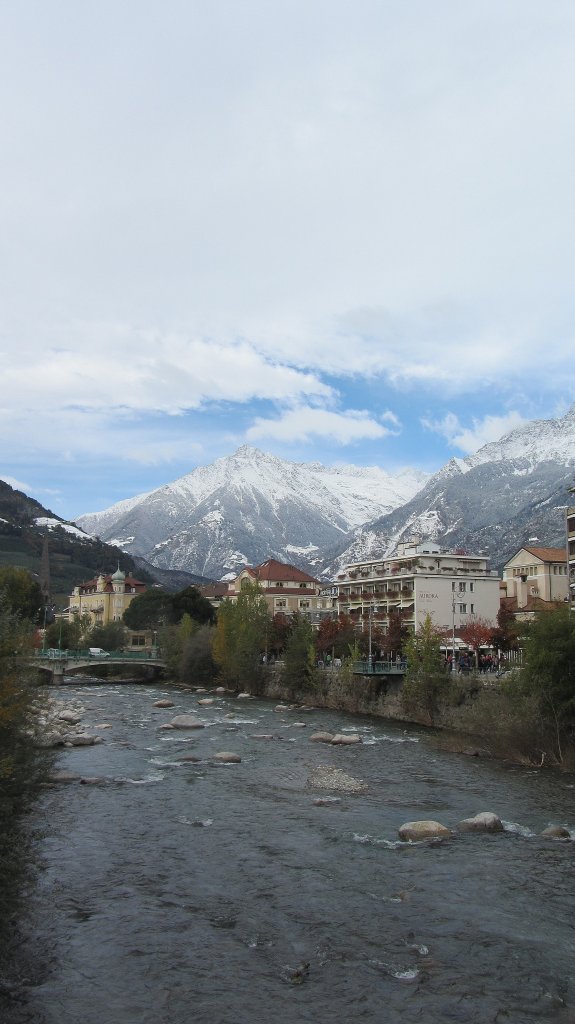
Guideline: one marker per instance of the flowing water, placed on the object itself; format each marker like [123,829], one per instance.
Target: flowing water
[177,891]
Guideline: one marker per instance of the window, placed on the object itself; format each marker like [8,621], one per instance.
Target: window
[461,588]
[138,641]
[304,604]
[472,609]
[463,609]
[280,602]
[471,586]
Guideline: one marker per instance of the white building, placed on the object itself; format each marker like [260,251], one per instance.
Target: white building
[535,579]
[421,580]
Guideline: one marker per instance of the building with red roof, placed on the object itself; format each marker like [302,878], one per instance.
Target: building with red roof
[105,598]
[287,590]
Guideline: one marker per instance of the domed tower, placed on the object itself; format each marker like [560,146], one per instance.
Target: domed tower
[118,581]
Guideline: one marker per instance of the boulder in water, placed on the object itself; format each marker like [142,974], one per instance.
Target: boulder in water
[485,821]
[63,777]
[72,717]
[164,703]
[227,757]
[321,737]
[186,722]
[205,701]
[82,740]
[413,831]
[345,740]
[556,832]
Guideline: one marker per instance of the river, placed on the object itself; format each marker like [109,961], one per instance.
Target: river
[178,891]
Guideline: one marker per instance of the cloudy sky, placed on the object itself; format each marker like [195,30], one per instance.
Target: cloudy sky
[338,231]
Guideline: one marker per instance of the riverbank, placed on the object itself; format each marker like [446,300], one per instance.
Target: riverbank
[477,715]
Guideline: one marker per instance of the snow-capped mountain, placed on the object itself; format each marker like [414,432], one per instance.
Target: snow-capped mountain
[495,501]
[248,507]
[251,506]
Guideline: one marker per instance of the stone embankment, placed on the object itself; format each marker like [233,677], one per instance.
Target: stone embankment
[376,696]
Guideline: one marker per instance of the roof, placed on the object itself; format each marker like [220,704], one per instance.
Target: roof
[548,554]
[213,589]
[273,571]
[128,581]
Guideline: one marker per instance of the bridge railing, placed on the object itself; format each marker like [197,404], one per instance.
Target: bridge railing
[368,668]
[83,654]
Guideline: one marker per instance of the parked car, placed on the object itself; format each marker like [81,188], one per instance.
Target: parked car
[98,652]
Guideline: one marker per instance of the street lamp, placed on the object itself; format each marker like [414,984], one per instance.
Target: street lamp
[453,631]
[369,647]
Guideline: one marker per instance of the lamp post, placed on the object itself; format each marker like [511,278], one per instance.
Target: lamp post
[369,641]
[453,631]
[44,629]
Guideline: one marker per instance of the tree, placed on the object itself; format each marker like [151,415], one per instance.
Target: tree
[241,637]
[476,632]
[150,610]
[189,601]
[300,669]
[505,635]
[111,637]
[425,680]
[394,640]
[197,663]
[23,765]
[23,593]
[335,635]
[281,628]
[67,634]
[548,674]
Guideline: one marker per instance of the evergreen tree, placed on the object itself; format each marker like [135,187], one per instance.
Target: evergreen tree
[300,669]
[425,681]
[548,674]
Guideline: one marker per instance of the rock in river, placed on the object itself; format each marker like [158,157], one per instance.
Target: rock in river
[344,740]
[485,821]
[186,722]
[321,737]
[227,757]
[413,831]
[556,832]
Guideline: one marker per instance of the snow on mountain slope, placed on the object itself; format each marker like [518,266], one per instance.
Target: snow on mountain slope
[249,505]
[535,442]
[493,501]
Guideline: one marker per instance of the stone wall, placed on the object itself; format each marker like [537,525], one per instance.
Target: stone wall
[377,696]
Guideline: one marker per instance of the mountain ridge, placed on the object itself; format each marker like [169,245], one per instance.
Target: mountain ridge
[251,505]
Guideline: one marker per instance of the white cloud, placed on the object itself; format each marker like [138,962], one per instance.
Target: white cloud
[483,431]
[18,485]
[233,205]
[303,424]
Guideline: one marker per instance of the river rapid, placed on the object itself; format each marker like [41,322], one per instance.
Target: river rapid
[177,891]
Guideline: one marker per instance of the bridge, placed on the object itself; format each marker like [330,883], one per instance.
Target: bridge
[58,663]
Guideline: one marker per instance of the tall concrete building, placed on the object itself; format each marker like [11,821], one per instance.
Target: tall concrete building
[420,580]
[570,521]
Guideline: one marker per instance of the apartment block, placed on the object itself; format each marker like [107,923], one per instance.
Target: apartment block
[420,580]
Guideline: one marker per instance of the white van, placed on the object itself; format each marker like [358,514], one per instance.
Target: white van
[98,652]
